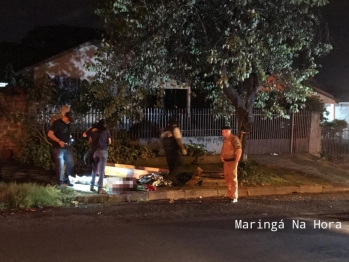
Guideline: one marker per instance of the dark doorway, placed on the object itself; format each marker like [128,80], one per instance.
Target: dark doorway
[175,98]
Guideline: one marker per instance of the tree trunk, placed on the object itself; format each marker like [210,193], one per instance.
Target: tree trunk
[244,106]
[244,126]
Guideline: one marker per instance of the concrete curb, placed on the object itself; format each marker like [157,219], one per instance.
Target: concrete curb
[198,193]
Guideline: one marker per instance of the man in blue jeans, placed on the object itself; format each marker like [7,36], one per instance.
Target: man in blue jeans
[59,133]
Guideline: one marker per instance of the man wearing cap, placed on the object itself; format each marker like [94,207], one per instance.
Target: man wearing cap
[230,156]
[59,133]
[59,115]
[174,149]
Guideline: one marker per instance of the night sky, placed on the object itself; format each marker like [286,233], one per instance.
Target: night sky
[17,17]
[334,74]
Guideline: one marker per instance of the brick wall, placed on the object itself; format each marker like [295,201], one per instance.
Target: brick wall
[12,99]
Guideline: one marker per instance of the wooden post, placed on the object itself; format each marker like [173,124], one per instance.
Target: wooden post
[188,100]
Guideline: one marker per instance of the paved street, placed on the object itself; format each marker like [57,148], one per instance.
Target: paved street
[195,230]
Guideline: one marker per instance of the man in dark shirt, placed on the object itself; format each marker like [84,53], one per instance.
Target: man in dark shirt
[59,133]
[99,148]
[174,149]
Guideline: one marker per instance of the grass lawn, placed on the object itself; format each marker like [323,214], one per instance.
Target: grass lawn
[255,174]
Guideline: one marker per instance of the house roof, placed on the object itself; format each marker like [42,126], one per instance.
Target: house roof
[71,50]
[322,92]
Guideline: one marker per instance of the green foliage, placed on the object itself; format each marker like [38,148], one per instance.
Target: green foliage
[315,104]
[35,153]
[28,195]
[250,173]
[227,47]
[124,152]
[196,151]
[45,97]
[31,140]
[337,125]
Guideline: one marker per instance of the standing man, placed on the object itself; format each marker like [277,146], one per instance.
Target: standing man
[59,133]
[59,115]
[230,156]
[174,149]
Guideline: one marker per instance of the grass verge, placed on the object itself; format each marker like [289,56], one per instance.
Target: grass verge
[27,195]
[252,173]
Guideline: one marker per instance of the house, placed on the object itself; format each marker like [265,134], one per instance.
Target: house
[342,111]
[330,102]
[68,65]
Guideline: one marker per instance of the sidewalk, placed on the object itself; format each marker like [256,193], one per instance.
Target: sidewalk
[338,181]
[198,192]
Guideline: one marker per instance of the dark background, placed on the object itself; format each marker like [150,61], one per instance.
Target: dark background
[34,24]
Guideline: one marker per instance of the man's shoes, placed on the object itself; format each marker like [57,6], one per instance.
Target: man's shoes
[69,184]
[93,189]
[102,191]
[234,200]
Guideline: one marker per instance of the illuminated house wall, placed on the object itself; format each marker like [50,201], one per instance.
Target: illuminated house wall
[330,103]
[69,64]
[342,111]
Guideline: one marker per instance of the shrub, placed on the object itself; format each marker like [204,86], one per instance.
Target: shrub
[314,103]
[35,153]
[336,124]
[250,172]
[196,151]
[29,195]
[123,151]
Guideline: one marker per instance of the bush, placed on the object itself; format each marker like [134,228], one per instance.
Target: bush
[250,173]
[35,153]
[337,125]
[124,152]
[315,104]
[196,151]
[29,195]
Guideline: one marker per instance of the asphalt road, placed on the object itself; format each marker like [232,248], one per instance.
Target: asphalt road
[254,229]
